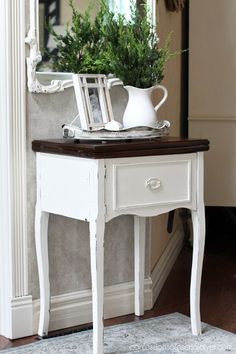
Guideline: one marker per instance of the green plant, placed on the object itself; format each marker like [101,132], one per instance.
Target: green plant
[128,49]
[134,54]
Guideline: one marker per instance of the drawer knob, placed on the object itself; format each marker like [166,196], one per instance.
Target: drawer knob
[152,183]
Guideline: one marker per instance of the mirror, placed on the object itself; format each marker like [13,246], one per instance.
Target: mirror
[58,14]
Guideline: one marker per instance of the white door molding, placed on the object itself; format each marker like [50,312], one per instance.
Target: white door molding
[13,222]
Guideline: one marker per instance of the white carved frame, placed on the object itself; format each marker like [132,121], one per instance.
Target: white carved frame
[50,82]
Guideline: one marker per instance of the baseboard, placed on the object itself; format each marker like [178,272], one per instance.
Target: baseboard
[166,262]
[75,308]
[21,317]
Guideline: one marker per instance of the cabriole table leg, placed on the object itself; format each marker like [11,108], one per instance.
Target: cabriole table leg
[41,240]
[97,228]
[139,263]
[198,218]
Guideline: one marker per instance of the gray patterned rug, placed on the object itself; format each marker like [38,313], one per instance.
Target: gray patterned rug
[165,334]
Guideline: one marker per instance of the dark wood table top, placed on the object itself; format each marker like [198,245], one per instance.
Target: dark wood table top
[122,148]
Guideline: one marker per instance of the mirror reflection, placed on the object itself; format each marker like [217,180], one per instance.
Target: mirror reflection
[58,14]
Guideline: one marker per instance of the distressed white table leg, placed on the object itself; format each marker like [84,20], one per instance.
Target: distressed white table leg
[197,262]
[41,240]
[139,263]
[198,219]
[97,228]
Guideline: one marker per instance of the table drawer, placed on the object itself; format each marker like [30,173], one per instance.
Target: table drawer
[143,183]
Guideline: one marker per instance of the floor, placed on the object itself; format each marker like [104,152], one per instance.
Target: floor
[218,304]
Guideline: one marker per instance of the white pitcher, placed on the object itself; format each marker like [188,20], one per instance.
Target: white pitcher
[139,110]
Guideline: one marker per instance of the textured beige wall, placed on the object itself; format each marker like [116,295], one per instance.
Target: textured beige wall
[212,103]
[168,22]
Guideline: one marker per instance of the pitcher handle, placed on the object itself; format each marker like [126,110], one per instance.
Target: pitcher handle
[114,81]
[163,98]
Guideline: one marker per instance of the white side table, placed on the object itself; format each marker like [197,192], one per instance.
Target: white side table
[96,182]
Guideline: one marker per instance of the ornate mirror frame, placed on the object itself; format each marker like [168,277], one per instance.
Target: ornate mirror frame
[50,82]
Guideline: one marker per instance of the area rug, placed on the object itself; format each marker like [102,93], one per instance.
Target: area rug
[165,334]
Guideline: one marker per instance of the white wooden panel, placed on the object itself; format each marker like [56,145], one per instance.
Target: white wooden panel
[212,103]
[212,58]
[220,160]
[65,185]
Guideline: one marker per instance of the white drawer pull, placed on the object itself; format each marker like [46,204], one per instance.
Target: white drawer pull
[152,183]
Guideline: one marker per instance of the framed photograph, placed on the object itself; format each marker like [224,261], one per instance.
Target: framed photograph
[93,100]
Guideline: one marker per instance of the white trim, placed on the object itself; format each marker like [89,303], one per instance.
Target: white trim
[75,308]
[212,117]
[22,317]
[13,201]
[152,5]
[46,77]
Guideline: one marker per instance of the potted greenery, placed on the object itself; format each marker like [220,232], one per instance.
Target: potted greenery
[127,48]
[136,59]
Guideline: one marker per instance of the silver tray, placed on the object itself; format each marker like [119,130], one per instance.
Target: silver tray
[161,128]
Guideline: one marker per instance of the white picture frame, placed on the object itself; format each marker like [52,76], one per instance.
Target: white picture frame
[93,100]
